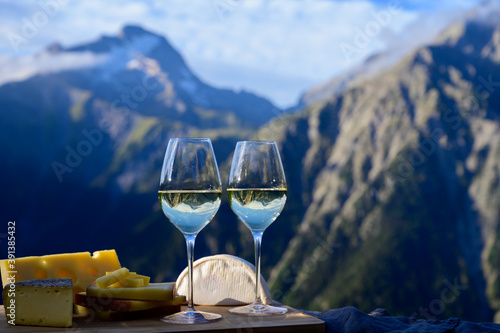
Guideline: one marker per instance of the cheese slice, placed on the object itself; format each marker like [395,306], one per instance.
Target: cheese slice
[80,267]
[222,280]
[39,303]
[123,305]
[151,292]
[129,283]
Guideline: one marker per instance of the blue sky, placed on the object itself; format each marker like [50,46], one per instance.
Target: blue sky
[275,48]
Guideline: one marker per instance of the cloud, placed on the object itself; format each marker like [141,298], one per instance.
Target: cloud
[295,42]
[20,68]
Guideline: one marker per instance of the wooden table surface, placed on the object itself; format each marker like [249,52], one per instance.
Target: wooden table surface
[292,321]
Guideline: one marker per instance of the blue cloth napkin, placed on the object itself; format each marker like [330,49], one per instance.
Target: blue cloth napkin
[351,320]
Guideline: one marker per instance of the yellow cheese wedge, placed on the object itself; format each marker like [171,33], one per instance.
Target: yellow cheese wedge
[152,292]
[39,303]
[80,267]
[111,278]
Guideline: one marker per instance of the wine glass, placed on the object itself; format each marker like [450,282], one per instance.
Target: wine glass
[257,194]
[190,194]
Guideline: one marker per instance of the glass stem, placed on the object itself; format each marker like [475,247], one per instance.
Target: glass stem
[257,239]
[190,254]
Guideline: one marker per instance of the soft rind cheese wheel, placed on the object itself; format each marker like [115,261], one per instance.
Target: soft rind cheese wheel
[222,280]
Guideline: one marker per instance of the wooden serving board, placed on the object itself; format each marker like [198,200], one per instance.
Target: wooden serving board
[292,321]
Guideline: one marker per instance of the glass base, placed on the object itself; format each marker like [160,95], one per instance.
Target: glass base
[258,310]
[191,317]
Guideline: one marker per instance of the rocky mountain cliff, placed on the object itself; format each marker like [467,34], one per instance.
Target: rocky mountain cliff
[400,176]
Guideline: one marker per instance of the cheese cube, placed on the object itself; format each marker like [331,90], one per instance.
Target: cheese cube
[80,267]
[112,277]
[39,303]
[132,280]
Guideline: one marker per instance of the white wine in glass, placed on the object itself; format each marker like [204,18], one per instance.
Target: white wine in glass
[190,194]
[257,194]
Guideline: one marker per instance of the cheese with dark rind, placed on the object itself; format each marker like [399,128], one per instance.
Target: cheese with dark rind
[47,302]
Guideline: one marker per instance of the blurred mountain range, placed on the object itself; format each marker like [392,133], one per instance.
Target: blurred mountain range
[393,172]
[84,145]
